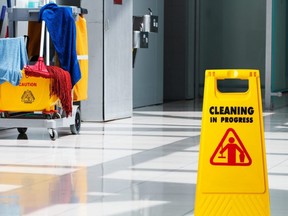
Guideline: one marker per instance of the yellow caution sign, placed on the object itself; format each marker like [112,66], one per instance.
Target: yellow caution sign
[232,174]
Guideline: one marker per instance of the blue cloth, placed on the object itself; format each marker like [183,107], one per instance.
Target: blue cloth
[61,26]
[13,57]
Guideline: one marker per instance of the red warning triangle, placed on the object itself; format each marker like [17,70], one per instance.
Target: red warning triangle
[231,151]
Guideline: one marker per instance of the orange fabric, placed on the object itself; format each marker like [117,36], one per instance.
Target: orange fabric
[81,87]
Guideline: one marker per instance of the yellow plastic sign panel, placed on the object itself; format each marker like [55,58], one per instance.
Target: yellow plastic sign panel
[232,174]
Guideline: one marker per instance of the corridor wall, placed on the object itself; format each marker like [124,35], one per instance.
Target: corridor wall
[110,60]
[231,35]
[179,49]
[276,86]
[148,69]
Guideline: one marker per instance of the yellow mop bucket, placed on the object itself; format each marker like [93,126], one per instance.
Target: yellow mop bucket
[32,94]
[232,173]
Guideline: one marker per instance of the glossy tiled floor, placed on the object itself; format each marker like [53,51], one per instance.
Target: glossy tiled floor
[141,166]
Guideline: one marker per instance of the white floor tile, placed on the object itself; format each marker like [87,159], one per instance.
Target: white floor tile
[140,166]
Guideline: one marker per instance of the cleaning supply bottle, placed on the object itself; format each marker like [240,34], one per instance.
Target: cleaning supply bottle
[33,4]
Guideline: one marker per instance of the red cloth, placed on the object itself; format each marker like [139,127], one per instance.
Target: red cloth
[62,87]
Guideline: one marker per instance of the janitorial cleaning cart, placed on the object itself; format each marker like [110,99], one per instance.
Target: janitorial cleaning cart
[31,100]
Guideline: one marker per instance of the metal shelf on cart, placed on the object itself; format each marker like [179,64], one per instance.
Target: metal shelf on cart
[28,120]
[31,14]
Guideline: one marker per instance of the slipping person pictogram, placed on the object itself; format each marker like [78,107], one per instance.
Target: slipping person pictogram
[232,149]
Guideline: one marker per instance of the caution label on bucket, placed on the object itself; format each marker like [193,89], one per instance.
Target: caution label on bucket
[232,157]
[28,97]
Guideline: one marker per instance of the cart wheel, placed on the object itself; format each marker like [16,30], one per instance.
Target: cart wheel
[48,116]
[22,130]
[56,116]
[4,115]
[53,134]
[22,137]
[75,128]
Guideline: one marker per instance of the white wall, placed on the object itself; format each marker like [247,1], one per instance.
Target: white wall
[118,60]
[92,109]
[110,60]
[3,2]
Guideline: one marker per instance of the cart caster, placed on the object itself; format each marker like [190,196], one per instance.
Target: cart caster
[22,130]
[56,115]
[4,115]
[48,116]
[53,134]
[22,137]
[75,128]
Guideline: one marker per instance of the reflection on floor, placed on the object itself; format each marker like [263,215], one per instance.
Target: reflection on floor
[141,166]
